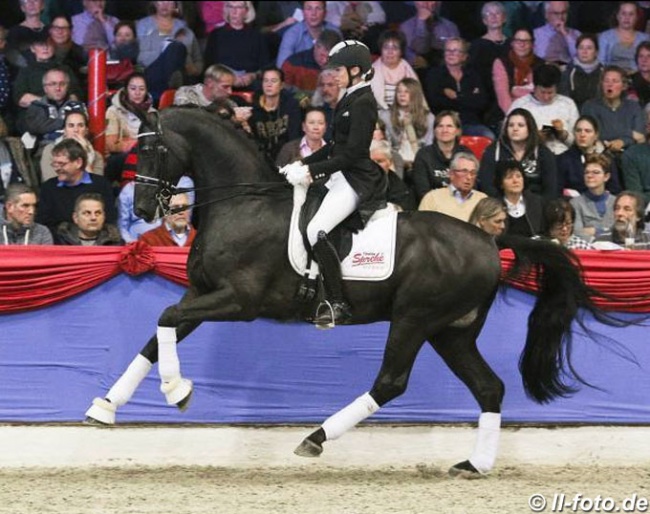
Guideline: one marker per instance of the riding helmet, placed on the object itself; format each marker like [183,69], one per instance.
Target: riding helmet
[350,53]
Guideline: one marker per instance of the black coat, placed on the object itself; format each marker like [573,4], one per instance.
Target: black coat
[431,168]
[355,118]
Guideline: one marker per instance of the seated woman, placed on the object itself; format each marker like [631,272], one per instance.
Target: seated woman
[409,124]
[571,164]
[313,128]
[169,50]
[390,68]
[595,206]
[431,165]
[523,208]
[238,44]
[489,215]
[398,193]
[581,79]
[123,119]
[76,127]
[559,217]
[519,141]
[618,44]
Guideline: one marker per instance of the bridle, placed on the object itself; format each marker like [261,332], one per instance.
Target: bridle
[165,185]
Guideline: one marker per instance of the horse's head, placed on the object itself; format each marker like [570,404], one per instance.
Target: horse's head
[159,169]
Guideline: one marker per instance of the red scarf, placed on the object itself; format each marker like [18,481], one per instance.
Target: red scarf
[523,66]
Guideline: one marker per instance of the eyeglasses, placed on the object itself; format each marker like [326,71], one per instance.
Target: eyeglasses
[564,224]
[55,84]
[59,164]
[518,40]
[389,46]
[559,13]
[465,172]
[60,27]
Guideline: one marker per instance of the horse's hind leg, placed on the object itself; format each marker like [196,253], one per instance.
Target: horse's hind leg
[457,347]
[404,342]
[102,410]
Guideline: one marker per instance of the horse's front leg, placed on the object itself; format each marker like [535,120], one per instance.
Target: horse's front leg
[404,342]
[457,347]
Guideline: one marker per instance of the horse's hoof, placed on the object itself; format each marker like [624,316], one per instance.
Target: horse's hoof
[184,404]
[308,448]
[101,413]
[465,470]
[177,392]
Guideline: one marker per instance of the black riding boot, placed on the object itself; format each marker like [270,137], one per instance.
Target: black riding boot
[335,310]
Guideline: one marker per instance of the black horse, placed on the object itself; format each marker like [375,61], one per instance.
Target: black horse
[446,276]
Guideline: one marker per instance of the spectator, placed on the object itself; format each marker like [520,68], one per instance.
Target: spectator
[75,126]
[559,217]
[131,227]
[93,28]
[484,51]
[459,198]
[58,195]
[88,226]
[176,229]
[554,41]
[554,114]
[238,44]
[276,114]
[398,193]
[168,49]
[594,207]
[211,14]
[490,216]
[627,229]
[21,37]
[313,129]
[621,121]
[327,95]
[640,80]
[44,118]
[520,141]
[123,118]
[523,208]
[425,34]
[431,165]
[570,164]
[5,79]
[636,169]
[390,68]
[512,76]
[17,224]
[28,85]
[302,35]
[618,45]
[301,70]
[363,21]
[66,51]
[379,134]
[452,86]
[274,18]
[409,124]
[125,44]
[581,78]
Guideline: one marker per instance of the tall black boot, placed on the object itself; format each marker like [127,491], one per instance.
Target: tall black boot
[335,310]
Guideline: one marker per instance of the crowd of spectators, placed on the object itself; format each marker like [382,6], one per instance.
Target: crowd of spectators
[558,91]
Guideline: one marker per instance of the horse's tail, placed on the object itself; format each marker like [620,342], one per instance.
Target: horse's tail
[562,297]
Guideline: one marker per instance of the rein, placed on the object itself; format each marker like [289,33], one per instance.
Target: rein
[166,189]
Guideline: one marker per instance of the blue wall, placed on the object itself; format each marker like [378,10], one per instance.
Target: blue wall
[54,361]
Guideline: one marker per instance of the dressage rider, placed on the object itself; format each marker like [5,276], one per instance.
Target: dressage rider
[353,180]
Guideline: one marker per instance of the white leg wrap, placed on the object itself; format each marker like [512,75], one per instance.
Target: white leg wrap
[169,367]
[487,442]
[338,424]
[126,385]
[102,411]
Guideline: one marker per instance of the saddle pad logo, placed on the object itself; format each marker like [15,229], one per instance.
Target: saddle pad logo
[368,259]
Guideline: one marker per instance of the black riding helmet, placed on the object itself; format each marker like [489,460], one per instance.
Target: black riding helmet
[350,53]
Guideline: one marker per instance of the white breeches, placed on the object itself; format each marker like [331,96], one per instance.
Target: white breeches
[338,204]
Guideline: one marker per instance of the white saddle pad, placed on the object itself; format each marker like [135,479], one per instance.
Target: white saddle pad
[373,249]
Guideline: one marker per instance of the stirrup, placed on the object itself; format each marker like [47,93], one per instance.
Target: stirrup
[328,315]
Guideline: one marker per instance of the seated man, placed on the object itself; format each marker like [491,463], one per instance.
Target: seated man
[17,227]
[45,117]
[628,225]
[176,229]
[59,194]
[88,227]
[459,198]
[93,28]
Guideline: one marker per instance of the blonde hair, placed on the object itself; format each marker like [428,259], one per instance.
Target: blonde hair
[250,12]
[485,209]
[417,107]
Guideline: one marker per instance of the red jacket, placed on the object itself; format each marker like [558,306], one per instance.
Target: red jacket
[160,237]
